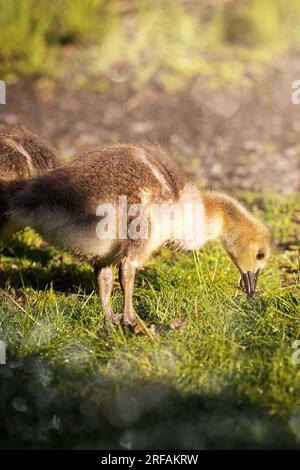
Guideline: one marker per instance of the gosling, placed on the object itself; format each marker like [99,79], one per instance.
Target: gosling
[79,207]
[23,155]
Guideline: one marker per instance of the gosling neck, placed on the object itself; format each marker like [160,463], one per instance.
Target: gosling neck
[224,217]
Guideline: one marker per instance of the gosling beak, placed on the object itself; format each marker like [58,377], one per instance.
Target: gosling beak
[249,280]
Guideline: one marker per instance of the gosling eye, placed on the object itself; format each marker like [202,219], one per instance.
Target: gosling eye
[260,255]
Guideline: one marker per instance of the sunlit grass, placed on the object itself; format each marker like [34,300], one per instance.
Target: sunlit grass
[168,42]
[227,355]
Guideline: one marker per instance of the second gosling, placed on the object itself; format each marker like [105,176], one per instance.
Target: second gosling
[67,204]
[23,155]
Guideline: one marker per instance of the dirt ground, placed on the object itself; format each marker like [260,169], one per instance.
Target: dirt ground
[233,139]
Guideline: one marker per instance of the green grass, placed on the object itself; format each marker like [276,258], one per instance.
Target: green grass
[223,379]
[168,42]
[31,31]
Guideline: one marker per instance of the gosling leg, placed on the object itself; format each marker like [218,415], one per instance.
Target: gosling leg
[105,280]
[126,277]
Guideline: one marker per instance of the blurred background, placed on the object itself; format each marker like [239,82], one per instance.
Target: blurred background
[210,80]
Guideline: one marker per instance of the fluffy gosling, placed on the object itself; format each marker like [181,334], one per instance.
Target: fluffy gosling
[78,207]
[23,155]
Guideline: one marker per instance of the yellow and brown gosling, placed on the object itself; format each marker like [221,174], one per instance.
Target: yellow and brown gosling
[23,155]
[80,207]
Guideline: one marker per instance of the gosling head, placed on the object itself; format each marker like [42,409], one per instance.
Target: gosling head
[250,248]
